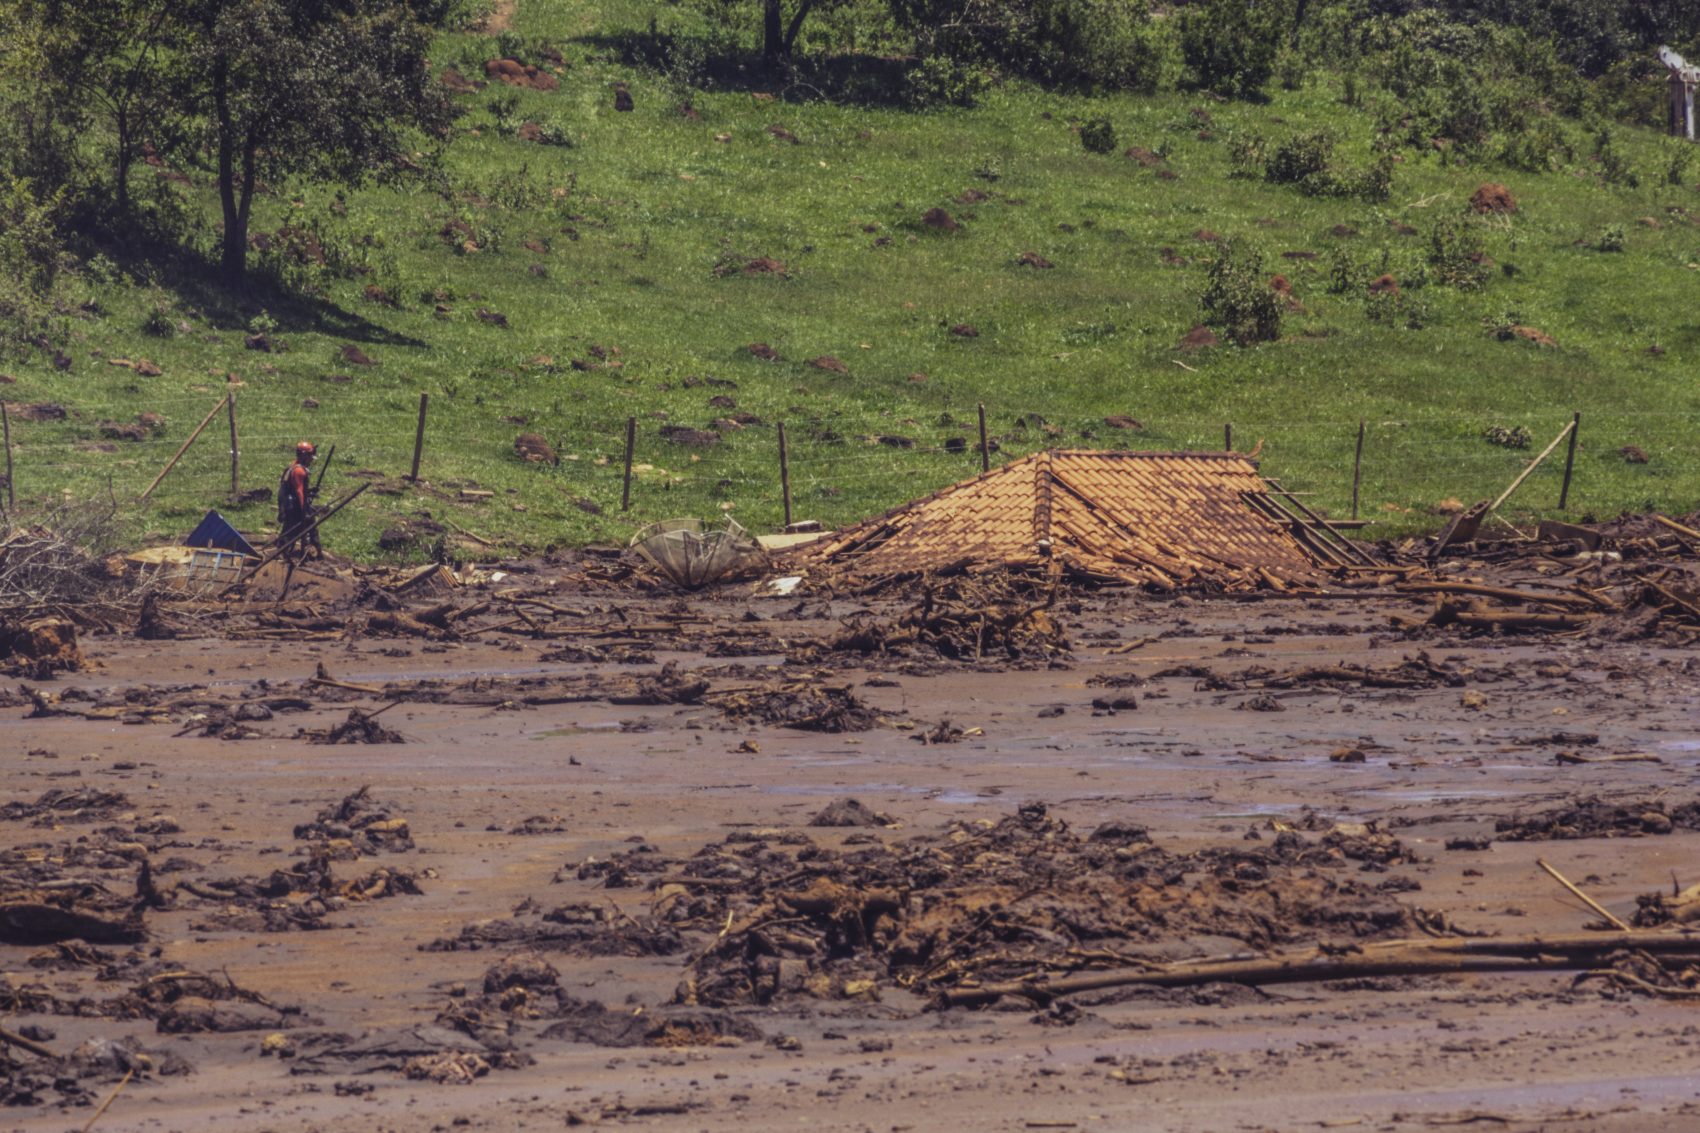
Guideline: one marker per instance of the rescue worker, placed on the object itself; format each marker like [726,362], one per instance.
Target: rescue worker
[295,504]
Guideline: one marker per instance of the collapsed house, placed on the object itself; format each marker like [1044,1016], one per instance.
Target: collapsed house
[1163,520]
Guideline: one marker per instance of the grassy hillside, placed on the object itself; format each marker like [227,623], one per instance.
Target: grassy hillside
[620,265]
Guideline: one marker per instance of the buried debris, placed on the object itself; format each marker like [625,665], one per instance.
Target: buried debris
[786,917]
[965,618]
[357,825]
[694,554]
[1159,520]
[359,728]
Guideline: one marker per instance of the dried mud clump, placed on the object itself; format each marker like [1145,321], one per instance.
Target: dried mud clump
[39,648]
[1597,818]
[803,705]
[359,824]
[1493,197]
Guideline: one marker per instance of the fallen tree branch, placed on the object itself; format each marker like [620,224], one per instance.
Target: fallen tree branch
[1558,952]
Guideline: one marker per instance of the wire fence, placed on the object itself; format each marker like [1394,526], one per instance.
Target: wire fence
[839,466]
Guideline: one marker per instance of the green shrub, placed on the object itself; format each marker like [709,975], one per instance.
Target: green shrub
[1230,46]
[1098,135]
[941,81]
[1299,157]
[32,257]
[1249,154]
[1457,254]
[1344,275]
[1108,44]
[1238,299]
[1610,239]
[1678,156]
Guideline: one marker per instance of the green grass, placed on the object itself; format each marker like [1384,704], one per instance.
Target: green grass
[637,214]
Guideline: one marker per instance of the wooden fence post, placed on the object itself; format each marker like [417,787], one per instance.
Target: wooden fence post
[419,437]
[1569,460]
[784,474]
[1357,468]
[631,443]
[6,431]
[235,452]
[172,463]
[1227,437]
[985,445]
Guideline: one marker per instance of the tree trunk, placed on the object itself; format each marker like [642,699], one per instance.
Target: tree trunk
[773,32]
[123,159]
[234,257]
[803,7]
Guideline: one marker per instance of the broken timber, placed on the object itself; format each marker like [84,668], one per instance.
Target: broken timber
[1559,952]
[1163,520]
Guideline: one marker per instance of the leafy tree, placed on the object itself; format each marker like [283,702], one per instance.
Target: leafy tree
[1230,45]
[329,90]
[780,25]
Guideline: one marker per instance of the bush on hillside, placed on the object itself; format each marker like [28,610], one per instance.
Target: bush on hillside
[1080,44]
[1230,46]
[1238,300]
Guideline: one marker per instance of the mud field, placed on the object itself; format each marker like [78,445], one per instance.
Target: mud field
[555,849]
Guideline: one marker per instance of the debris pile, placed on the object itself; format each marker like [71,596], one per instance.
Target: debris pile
[1597,818]
[358,825]
[965,618]
[786,917]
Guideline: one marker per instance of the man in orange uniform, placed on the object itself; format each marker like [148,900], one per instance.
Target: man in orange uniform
[295,504]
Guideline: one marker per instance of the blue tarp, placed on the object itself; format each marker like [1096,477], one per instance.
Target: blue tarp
[215,532]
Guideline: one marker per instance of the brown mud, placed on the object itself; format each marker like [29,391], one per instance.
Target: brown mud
[567,847]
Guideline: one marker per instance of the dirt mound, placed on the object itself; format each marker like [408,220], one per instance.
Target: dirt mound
[523,75]
[784,135]
[1122,421]
[1384,285]
[1596,818]
[849,812]
[1493,197]
[965,330]
[766,265]
[830,364]
[1633,454]
[1207,236]
[763,351]
[457,83]
[1033,260]
[1199,338]
[1144,156]
[1532,334]
[532,448]
[41,411]
[939,220]
[39,648]
[685,435]
[623,99]
[354,356]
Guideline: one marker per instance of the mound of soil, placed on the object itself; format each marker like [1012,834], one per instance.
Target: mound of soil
[1199,338]
[1384,284]
[1144,156]
[830,364]
[1122,421]
[965,330]
[1493,197]
[849,812]
[784,135]
[1033,260]
[763,351]
[1632,454]
[623,99]
[1206,236]
[1530,334]
[685,435]
[532,448]
[354,356]
[523,75]
[457,83]
[939,220]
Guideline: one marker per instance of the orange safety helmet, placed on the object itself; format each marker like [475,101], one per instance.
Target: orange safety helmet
[305,448]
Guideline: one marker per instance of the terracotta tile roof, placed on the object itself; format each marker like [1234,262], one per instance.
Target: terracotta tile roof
[1155,518]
